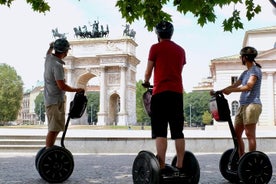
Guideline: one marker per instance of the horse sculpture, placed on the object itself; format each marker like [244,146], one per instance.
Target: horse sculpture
[84,33]
[56,34]
[127,32]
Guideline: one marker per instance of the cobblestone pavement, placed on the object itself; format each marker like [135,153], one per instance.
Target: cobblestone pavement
[102,169]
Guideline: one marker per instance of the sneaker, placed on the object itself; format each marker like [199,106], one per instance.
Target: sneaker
[169,171]
[182,172]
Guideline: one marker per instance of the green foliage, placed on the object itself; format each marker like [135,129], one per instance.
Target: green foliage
[40,107]
[141,115]
[40,6]
[11,93]
[151,11]
[207,118]
[93,106]
[195,104]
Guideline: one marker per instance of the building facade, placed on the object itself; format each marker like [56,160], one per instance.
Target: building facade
[226,70]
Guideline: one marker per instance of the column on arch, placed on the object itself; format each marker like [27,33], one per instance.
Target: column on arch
[123,89]
[102,109]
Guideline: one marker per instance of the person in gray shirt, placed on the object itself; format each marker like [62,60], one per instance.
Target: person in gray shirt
[249,84]
[55,88]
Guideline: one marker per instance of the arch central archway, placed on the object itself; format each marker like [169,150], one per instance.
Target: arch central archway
[114,62]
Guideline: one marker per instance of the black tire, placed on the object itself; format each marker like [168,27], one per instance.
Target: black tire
[38,155]
[254,168]
[146,169]
[55,164]
[191,167]
[223,167]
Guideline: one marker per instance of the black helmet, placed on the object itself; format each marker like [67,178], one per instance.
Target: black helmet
[250,52]
[61,45]
[164,30]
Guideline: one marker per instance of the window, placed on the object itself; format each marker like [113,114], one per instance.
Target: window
[235,106]
[234,79]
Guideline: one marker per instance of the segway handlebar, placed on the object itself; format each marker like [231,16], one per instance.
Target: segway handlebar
[215,93]
[147,85]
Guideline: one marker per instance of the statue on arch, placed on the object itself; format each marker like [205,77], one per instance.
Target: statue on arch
[57,35]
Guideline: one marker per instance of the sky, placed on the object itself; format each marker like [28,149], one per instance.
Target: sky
[25,35]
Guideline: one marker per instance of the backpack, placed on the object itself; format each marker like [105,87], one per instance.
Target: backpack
[78,105]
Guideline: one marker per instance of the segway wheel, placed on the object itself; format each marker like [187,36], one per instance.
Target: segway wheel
[38,155]
[55,164]
[146,169]
[255,167]
[191,167]
[223,167]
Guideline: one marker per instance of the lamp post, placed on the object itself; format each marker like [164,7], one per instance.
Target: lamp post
[40,113]
[190,115]
[91,111]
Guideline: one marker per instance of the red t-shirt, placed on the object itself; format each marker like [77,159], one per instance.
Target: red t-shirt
[169,59]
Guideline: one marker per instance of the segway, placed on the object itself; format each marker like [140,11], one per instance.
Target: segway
[253,167]
[146,168]
[56,163]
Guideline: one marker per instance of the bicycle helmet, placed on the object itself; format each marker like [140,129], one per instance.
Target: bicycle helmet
[164,30]
[61,45]
[250,52]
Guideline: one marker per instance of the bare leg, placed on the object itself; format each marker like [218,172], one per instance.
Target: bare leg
[180,151]
[51,138]
[161,146]
[250,132]
[239,130]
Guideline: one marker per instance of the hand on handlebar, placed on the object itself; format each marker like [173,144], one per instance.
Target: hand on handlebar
[213,93]
[146,84]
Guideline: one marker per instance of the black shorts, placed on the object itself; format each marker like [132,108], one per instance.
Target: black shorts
[167,108]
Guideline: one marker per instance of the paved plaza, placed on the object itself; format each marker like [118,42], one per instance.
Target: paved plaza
[101,169]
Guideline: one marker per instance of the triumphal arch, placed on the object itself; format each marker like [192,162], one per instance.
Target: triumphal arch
[114,62]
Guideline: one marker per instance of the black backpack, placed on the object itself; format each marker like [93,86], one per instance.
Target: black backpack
[78,105]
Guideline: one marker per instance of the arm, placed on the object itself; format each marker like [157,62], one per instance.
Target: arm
[237,88]
[50,50]
[148,71]
[63,86]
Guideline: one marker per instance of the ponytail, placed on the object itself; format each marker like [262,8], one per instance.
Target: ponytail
[257,64]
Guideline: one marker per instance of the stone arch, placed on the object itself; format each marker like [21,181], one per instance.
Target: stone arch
[114,108]
[114,62]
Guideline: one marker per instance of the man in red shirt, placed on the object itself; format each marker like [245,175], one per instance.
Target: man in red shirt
[166,60]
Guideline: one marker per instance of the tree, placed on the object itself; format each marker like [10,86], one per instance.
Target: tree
[40,107]
[195,104]
[207,118]
[11,93]
[93,106]
[40,6]
[151,10]
[141,115]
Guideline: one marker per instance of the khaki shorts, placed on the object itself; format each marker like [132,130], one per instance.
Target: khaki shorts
[248,114]
[56,117]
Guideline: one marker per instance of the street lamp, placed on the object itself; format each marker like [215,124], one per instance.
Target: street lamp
[40,113]
[190,115]
[91,112]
